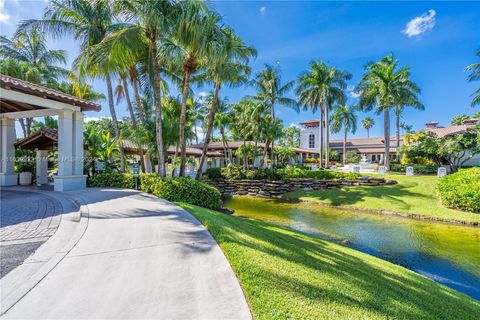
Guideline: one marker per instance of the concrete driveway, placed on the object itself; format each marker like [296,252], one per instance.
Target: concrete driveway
[137,257]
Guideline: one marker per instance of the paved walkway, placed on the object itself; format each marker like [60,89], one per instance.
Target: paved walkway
[139,258]
[27,216]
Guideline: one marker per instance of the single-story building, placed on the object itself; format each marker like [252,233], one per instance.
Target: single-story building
[22,99]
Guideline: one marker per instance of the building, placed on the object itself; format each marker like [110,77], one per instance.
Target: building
[373,148]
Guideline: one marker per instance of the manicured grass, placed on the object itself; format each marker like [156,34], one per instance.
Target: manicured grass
[290,275]
[412,195]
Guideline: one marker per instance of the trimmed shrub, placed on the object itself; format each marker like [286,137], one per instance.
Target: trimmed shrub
[233,172]
[183,189]
[299,172]
[417,168]
[213,173]
[111,180]
[461,190]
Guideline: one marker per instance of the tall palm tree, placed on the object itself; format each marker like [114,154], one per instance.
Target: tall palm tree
[318,89]
[228,66]
[147,24]
[380,87]
[407,96]
[344,117]
[223,120]
[474,75]
[193,39]
[89,22]
[367,124]
[268,83]
[31,47]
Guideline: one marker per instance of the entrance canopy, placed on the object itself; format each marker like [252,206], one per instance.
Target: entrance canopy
[22,99]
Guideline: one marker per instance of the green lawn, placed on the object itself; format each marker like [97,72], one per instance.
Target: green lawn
[412,195]
[290,275]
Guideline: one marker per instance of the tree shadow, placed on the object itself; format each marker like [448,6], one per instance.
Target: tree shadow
[345,279]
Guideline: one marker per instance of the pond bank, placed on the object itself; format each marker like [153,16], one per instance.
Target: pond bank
[447,253]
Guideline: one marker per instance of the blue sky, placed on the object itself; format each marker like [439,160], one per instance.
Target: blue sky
[437,39]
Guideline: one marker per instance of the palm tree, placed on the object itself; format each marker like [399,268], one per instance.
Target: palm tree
[318,89]
[89,22]
[268,83]
[382,86]
[344,117]
[474,75]
[409,98]
[222,120]
[407,128]
[31,48]
[148,22]
[228,66]
[367,124]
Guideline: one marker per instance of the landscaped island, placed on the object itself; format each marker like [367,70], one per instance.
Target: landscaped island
[287,274]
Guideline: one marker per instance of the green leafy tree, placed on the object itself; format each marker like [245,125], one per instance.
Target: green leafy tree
[367,124]
[290,137]
[318,89]
[284,153]
[380,87]
[474,75]
[407,128]
[344,117]
[458,120]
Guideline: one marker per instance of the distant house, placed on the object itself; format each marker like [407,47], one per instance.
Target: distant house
[373,148]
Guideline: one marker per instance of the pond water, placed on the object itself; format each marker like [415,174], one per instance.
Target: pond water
[446,253]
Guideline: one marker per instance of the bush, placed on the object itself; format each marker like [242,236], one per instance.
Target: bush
[352,157]
[111,180]
[213,173]
[417,168]
[233,172]
[461,190]
[182,189]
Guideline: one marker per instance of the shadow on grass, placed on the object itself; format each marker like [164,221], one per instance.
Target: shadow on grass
[394,194]
[276,265]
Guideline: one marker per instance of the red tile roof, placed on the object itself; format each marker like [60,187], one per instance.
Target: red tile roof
[15,84]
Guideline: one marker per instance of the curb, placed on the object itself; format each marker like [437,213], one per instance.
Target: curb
[20,281]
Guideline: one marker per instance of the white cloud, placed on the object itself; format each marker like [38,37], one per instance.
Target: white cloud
[353,92]
[419,25]
[4,16]
[203,94]
[262,10]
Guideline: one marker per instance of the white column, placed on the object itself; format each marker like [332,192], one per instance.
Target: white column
[65,143]
[205,166]
[7,153]
[41,161]
[70,152]
[77,144]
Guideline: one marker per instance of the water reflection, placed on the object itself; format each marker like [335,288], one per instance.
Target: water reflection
[446,253]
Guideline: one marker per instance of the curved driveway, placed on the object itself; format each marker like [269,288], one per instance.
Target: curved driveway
[140,257]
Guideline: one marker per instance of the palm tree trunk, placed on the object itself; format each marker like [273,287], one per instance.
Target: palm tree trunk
[397,133]
[264,156]
[181,135]
[134,122]
[272,153]
[138,102]
[327,138]
[24,129]
[157,101]
[115,121]
[321,136]
[368,132]
[386,125]
[211,119]
[345,146]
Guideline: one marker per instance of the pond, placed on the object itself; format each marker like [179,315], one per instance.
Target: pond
[446,253]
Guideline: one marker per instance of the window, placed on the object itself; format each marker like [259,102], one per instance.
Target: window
[311,141]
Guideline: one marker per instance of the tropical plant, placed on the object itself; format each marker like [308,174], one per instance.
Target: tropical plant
[227,66]
[407,128]
[89,22]
[344,117]
[458,120]
[367,124]
[474,75]
[284,154]
[318,89]
[101,147]
[32,58]
[290,137]
[268,83]
[382,86]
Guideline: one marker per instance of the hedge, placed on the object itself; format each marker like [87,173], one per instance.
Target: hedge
[180,189]
[461,190]
[111,180]
[417,168]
